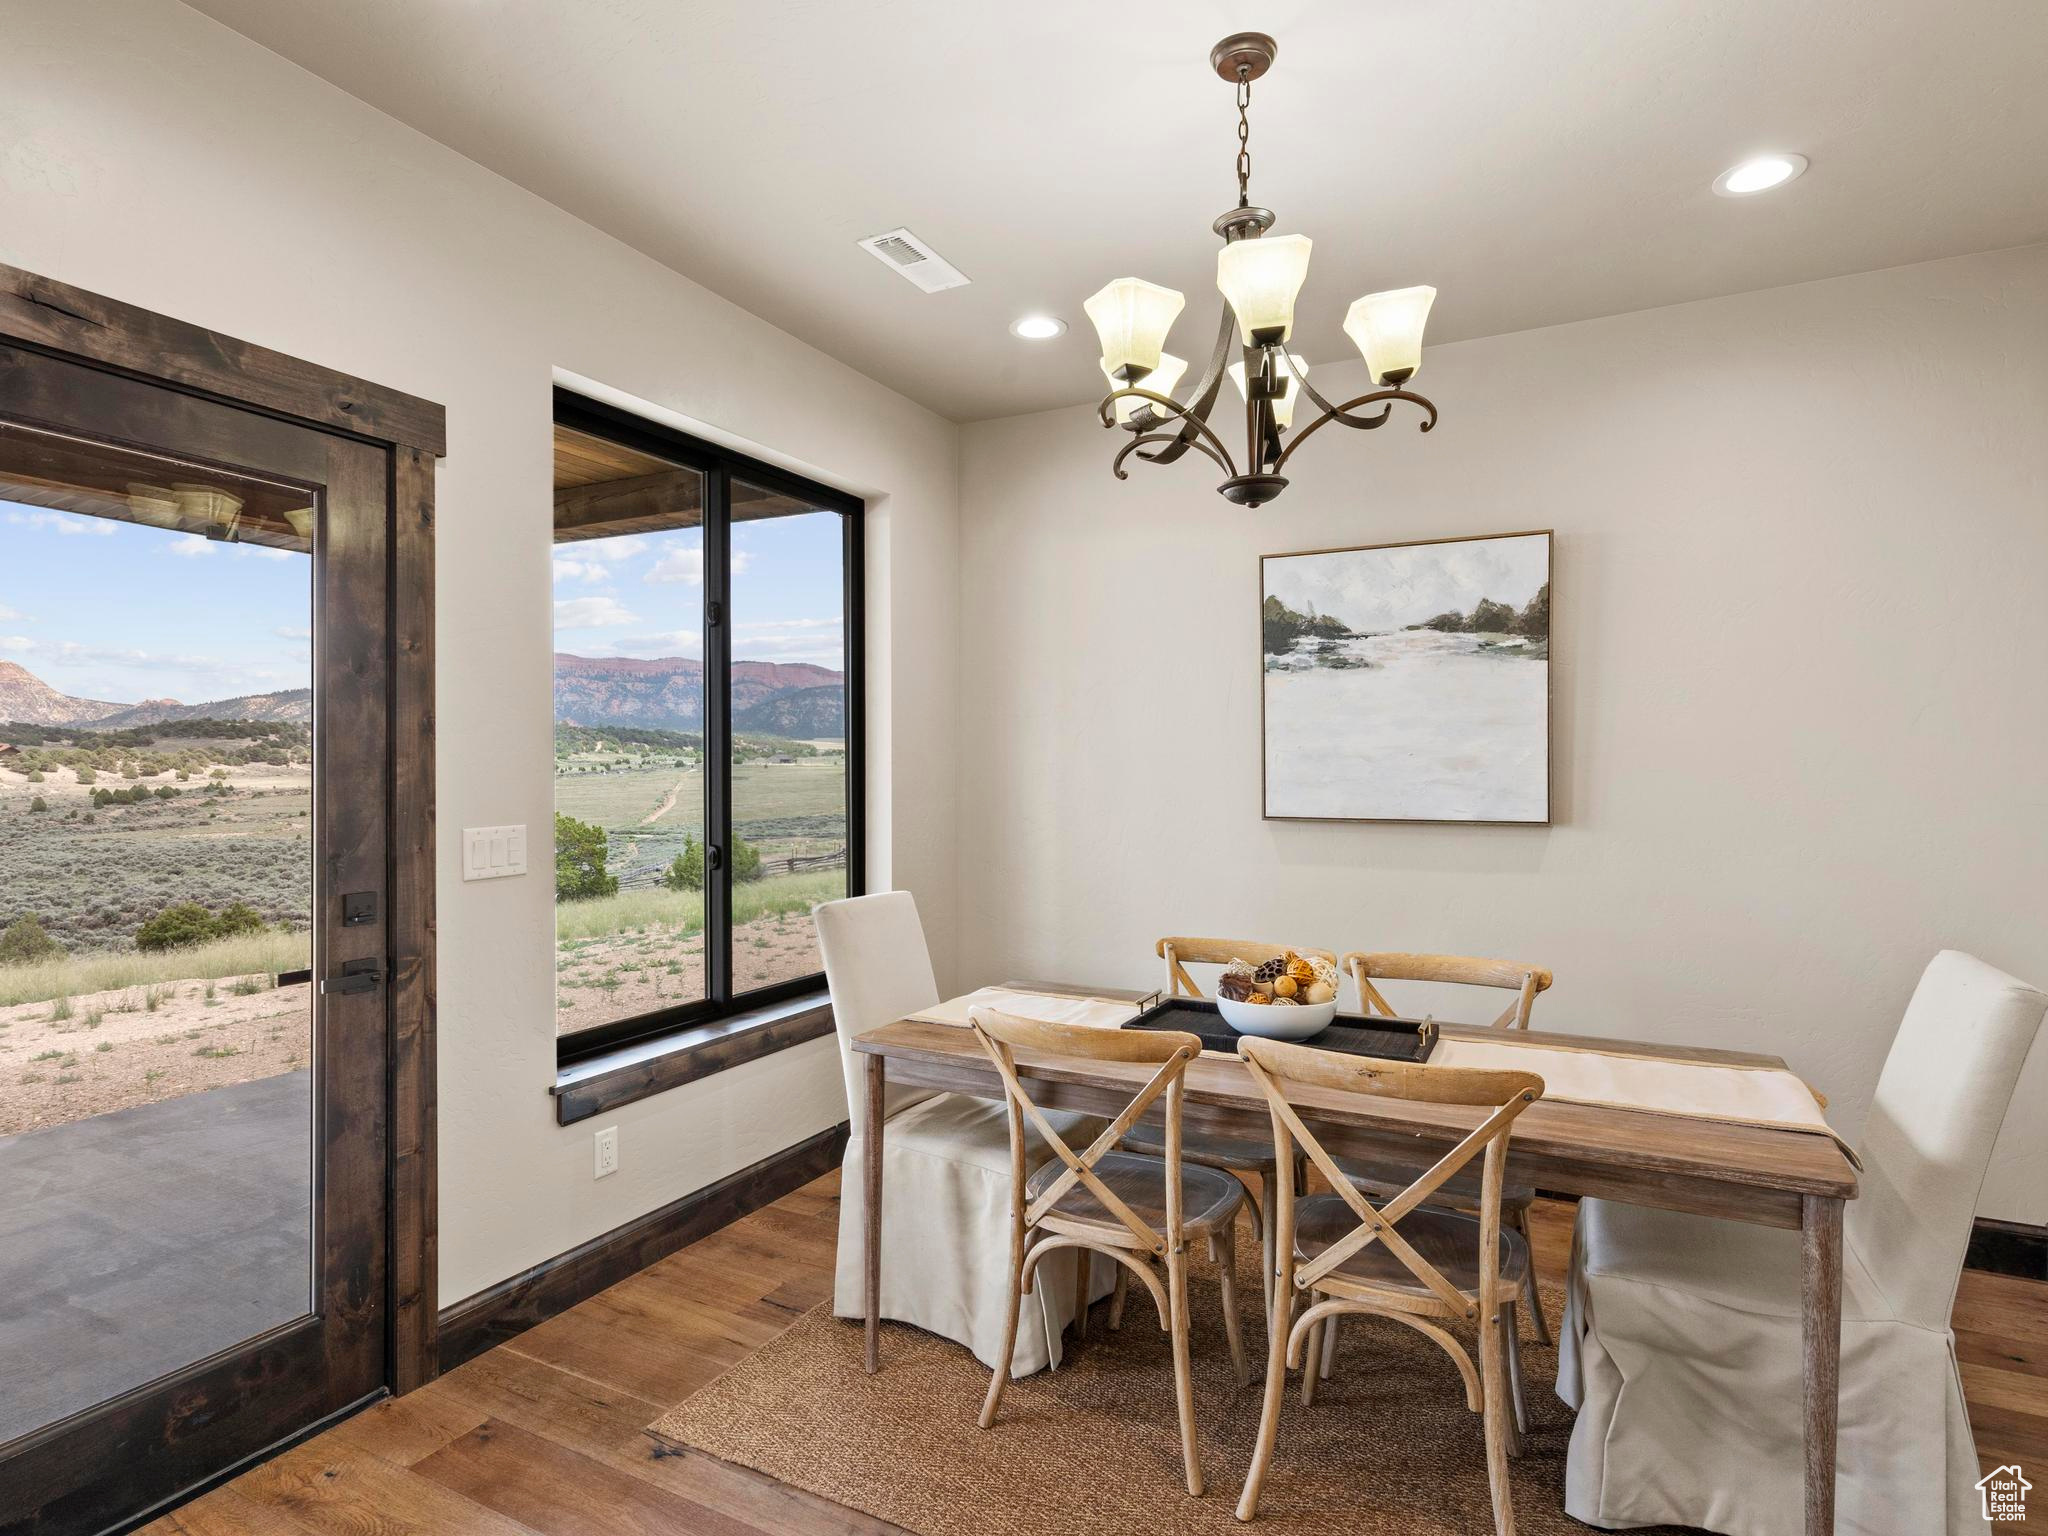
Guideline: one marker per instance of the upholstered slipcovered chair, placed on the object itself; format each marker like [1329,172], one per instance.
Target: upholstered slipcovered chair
[1681,1345]
[946,1162]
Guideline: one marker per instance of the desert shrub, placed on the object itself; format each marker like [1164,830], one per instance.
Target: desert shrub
[168,792]
[86,775]
[746,860]
[579,861]
[39,804]
[25,943]
[237,917]
[35,775]
[178,925]
[686,871]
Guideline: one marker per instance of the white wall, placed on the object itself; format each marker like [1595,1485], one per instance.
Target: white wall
[1800,674]
[149,153]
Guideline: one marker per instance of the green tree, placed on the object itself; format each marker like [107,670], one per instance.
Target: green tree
[579,861]
[237,917]
[24,943]
[686,871]
[177,926]
[746,860]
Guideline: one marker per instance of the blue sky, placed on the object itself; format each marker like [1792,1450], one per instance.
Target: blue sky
[642,594]
[102,609]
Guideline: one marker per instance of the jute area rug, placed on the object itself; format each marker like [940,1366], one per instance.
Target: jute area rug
[1389,1446]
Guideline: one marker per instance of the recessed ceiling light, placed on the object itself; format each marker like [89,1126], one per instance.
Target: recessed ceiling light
[1759,173]
[1038,327]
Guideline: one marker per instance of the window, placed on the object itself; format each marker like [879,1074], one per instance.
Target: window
[707,726]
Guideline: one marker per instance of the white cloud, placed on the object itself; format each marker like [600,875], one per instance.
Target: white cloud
[778,624]
[17,643]
[293,634]
[579,570]
[264,551]
[674,642]
[192,549]
[69,523]
[72,653]
[7,613]
[684,563]
[592,613]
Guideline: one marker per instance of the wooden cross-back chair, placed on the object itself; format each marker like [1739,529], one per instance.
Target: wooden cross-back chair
[1525,981]
[1141,1212]
[1404,1260]
[1244,1160]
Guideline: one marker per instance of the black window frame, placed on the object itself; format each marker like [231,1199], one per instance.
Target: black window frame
[720,467]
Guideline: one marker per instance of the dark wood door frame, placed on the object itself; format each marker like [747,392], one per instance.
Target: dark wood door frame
[43,315]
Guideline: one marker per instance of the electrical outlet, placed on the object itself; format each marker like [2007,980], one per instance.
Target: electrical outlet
[607,1151]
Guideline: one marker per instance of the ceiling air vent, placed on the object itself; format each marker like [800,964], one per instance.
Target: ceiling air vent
[917,262]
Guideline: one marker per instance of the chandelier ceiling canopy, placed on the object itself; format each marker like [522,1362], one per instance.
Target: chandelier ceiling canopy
[1259,275]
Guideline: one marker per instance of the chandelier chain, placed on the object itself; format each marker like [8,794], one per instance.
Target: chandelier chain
[1244,136]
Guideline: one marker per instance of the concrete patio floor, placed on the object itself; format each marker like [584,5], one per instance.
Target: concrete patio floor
[137,1242]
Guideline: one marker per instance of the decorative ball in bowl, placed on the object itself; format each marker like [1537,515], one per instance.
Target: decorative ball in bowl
[1277,1023]
[1284,998]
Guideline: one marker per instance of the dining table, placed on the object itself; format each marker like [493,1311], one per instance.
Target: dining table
[1765,1174]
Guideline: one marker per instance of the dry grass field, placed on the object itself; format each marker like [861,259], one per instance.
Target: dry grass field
[103,1025]
[643,950]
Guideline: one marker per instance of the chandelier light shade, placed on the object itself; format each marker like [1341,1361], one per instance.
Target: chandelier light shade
[1260,276]
[1132,317]
[1291,368]
[1387,330]
[1160,381]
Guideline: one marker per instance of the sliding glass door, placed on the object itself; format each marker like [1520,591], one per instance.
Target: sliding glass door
[194,667]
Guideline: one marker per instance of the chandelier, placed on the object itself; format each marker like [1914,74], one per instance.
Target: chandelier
[1259,276]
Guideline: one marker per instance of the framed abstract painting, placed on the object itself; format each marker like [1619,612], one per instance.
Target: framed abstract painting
[1408,682]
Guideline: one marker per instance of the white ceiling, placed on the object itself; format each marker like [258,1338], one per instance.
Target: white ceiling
[1538,163]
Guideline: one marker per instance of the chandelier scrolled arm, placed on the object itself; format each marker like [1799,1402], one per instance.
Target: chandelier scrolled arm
[1177,444]
[1259,276]
[1196,433]
[1342,414]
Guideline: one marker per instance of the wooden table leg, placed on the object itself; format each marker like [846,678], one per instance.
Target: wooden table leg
[1821,1329]
[871,1182]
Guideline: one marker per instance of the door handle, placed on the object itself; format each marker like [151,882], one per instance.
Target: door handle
[356,976]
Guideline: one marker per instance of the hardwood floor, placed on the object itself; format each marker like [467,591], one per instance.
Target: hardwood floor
[545,1435]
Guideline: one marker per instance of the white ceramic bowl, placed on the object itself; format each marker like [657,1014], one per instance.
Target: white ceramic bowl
[1276,1021]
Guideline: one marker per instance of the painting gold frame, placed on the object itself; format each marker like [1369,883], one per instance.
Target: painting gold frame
[1549,688]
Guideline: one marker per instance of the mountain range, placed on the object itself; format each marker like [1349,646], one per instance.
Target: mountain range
[796,699]
[27,698]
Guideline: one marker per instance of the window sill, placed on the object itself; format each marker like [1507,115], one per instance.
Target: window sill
[640,1071]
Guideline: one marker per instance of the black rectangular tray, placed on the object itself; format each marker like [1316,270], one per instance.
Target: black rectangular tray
[1349,1033]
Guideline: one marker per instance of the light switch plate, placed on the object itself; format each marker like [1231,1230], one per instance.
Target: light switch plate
[491,853]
